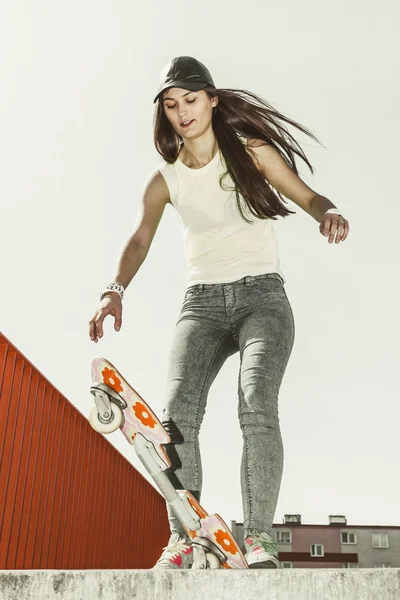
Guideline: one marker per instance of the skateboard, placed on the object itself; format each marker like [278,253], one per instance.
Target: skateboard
[119,405]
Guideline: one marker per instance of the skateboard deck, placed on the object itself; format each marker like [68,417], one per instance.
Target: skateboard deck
[138,417]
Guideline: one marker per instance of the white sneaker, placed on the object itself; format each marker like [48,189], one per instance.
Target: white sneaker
[177,555]
[261,552]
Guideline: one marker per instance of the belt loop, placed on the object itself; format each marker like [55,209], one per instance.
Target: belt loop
[201,287]
[246,280]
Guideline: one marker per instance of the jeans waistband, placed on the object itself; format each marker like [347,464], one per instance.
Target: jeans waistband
[244,281]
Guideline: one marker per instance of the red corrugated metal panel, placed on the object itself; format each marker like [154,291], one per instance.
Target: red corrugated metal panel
[68,498]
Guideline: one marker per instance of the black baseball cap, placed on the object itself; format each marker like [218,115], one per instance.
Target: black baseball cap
[184,72]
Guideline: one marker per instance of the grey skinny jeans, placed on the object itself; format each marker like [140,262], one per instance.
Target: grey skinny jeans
[253,316]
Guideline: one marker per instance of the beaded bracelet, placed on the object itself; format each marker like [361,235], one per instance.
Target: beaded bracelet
[113,287]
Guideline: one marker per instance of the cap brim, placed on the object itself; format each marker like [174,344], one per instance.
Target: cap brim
[194,86]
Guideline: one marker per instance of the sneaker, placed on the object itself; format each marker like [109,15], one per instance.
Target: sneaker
[261,552]
[177,555]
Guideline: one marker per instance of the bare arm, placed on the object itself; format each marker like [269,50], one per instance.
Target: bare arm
[284,179]
[154,197]
[151,208]
[274,168]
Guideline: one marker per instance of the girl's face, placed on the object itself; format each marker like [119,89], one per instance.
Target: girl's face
[182,105]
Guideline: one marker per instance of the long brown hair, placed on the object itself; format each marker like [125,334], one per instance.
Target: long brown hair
[241,113]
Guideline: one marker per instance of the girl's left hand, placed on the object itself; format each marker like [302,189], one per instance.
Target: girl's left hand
[334,224]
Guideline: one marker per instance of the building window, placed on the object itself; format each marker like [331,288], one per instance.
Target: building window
[350,566]
[380,540]
[284,537]
[287,565]
[349,537]
[382,565]
[317,550]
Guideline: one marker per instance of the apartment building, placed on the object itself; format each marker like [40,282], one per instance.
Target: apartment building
[336,545]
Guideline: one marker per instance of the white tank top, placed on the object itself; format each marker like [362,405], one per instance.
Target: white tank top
[219,246]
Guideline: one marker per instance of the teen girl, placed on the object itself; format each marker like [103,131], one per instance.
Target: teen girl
[228,159]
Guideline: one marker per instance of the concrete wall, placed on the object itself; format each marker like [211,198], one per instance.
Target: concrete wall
[263,584]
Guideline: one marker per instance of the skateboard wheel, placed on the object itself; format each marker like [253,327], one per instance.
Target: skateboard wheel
[212,561]
[113,425]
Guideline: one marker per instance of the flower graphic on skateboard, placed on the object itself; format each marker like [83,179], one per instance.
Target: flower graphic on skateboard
[119,406]
[131,414]
[214,529]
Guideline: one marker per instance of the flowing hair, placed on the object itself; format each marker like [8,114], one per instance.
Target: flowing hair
[241,113]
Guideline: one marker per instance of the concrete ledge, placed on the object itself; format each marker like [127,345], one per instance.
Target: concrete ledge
[283,584]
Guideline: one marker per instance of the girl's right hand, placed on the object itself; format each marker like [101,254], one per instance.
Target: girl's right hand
[110,305]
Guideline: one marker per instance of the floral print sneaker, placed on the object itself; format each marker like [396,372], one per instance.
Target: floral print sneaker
[261,552]
[177,555]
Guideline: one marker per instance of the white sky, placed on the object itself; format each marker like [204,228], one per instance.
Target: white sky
[78,82]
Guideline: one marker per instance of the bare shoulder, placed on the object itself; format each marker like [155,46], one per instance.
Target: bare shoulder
[254,142]
[156,189]
[260,147]
[265,156]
